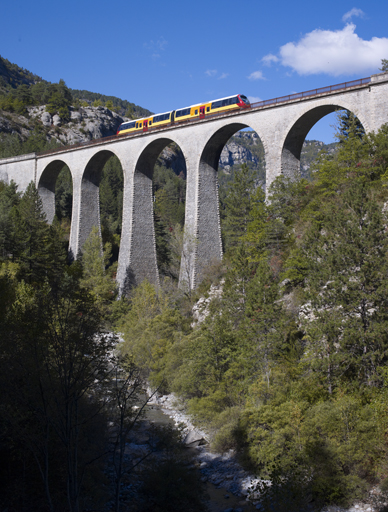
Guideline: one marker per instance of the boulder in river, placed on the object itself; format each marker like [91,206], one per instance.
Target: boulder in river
[193,439]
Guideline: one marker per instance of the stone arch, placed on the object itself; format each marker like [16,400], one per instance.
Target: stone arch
[46,187]
[296,135]
[90,195]
[143,261]
[203,231]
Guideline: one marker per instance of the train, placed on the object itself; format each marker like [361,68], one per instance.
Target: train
[199,111]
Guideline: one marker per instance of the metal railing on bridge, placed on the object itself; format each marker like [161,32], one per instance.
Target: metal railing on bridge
[312,92]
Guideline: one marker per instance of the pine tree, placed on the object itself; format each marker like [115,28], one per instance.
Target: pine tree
[384,65]
[348,125]
[347,309]
[31,236]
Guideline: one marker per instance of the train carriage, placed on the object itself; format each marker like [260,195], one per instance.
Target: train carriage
[198,111]
[145,123]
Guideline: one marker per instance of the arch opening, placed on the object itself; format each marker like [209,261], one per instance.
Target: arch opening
[158,211]
[298,152]
[55,188]
[230,147]
[102,201]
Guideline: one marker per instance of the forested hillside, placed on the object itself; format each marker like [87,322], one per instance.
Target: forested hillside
[20,88]
[288,367]
[280,354]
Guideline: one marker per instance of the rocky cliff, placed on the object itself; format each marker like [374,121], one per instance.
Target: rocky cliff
[86,123]
[246,147]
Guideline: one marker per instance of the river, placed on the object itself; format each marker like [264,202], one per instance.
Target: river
[224,477]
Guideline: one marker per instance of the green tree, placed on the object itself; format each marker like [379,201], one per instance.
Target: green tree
[94,262]
[384,65]
[35,244]
[348,125]
[59,100]
[238,204]
[347,291]
[52,355]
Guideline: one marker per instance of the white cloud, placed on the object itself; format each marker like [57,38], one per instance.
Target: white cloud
[156,46]
[223,75]
[161,43]
[353,12]
[254,99]
[256,75]
[267,60]
[340,52]
[211,72]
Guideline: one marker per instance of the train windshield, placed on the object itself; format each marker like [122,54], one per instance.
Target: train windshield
[245,99]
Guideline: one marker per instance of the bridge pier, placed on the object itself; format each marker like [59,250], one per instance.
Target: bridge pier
[137,258]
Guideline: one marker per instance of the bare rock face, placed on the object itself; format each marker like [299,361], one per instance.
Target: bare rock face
[5,125]
[46,119]
[76,117]
[100,121]
[57,120]
[233,154]
[14,123]
[173,158]
[85,124]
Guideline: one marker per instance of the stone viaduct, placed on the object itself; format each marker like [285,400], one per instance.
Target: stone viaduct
[281,124]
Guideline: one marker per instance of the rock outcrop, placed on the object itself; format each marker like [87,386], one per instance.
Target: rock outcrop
[233,154]
[85,124]
[241,148]
[172,158]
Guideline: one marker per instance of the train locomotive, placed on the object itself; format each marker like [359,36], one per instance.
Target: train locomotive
[199,111]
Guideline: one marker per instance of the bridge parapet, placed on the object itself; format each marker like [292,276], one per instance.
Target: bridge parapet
[379,77]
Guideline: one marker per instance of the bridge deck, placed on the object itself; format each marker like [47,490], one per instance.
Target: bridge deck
[274,102]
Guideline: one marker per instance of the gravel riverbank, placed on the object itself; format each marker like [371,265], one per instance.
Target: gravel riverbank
[220,471]
[223,471]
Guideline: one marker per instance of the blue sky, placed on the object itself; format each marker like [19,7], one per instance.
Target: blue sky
[168,54]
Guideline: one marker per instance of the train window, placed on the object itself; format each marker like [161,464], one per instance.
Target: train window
[183,112]
[149,124]
[162,117]
[207,109]
[196,112]
[216,104]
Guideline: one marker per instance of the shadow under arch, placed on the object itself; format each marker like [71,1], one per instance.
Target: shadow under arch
[46,187]
[139,261]
[90,195]
[292,147]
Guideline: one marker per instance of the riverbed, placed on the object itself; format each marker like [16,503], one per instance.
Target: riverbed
[226,481]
